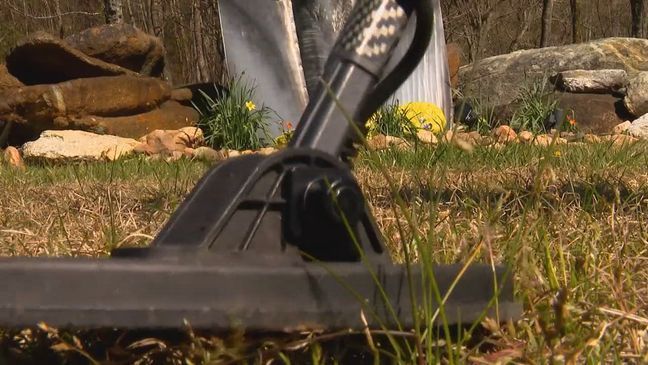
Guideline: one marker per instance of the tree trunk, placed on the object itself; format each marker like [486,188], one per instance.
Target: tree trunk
[547,15]
[637,7]
[113,11]
[576,20]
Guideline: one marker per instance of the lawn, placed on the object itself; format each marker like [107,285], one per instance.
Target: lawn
[571,221]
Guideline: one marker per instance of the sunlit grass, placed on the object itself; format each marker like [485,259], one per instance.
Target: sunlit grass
[572,226]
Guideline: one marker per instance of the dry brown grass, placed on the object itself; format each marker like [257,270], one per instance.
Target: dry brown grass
[573,228]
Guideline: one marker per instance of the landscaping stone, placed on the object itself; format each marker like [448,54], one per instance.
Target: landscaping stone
[168,142]
[622,128]
[44,59]
[13,158]
[124,45]
[592,81]
[593,113]
[208,154]
[381,142]
[619,140]
[171,115]
[639,128]
[636,99]
[122,106]
[426,137]
[497,81]
[591,138]
[67,145]
[546,140]
[504,134]
[525,137]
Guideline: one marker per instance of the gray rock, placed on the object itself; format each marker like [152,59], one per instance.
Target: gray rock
[592,81]
[636,100]
[67,146]
[639,128]
[497,81]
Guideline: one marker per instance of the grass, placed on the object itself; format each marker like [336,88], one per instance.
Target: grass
[233,121]
[571,225]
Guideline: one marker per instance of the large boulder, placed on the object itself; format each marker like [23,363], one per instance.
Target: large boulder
[499,80]
[66,146]
[44,59]
[45,106]
[124,45]
[636,100]
[7,81]
[170,115]
[594,113]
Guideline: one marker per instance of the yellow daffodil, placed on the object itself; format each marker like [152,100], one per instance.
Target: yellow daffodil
[557,153]
[250,105]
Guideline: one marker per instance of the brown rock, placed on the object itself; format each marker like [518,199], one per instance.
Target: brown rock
[7,81]
[620,140]
[181,95]
[267,151]
[44,59]
[525,137]
[13,158]
[169,116]
[545,140]
[594,113]
[591,138]
[124,45]
[167,142]
[66,105]
[504,134]
[426,137]
[208,154]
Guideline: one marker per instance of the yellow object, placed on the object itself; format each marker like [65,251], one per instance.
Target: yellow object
[425,116]
[250,105]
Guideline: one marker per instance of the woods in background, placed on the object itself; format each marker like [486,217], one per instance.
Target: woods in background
[189,28]
[191,33]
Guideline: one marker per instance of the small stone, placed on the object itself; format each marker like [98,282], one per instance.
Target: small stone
[377,142]
[525,137]
[427,137]
[543,140]
[622,128]
[639,128]
[396,142]
[476,137]
[208,154]
[620,140]
[504,134]
[591,138]
[13,158]
[247,152]
[116,152]
[233,153]
[266,151]
[448,136]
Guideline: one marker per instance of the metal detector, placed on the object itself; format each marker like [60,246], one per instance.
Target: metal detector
[284,242]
